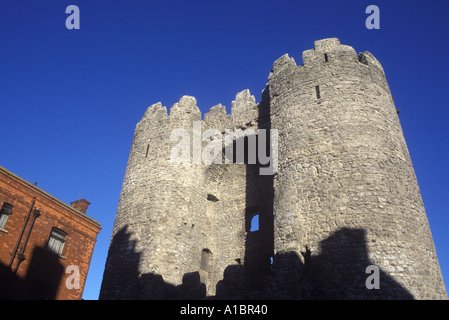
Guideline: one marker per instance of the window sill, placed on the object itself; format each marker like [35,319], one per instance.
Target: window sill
[3,230]
[56,254]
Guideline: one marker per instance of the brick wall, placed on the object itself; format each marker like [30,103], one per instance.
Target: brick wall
[42,274]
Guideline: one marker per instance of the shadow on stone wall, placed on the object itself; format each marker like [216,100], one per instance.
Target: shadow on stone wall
[124,274]
[336,273]
[259,197]
[327,275]
[339,271]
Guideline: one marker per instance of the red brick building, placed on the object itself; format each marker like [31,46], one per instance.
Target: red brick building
[45,245]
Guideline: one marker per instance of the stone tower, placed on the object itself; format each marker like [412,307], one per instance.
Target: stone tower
[343,198]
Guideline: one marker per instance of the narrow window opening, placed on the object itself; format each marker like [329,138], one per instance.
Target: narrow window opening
[148,149]
[317,89]
[212,198]
[254,223]
[205,257]
[326,59]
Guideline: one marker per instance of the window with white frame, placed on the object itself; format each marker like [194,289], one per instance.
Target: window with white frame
[57,241]
[5,212]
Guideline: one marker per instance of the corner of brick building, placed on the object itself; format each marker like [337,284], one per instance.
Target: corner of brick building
[29,268]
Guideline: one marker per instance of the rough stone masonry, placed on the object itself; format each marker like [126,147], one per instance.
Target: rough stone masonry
[344,196]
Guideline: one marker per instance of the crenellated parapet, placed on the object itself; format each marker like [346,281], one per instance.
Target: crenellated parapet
[216,117]
[328,50]
[326,61]
[244,113]
[186,108]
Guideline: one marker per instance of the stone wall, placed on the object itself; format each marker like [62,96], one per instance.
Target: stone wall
[344,196]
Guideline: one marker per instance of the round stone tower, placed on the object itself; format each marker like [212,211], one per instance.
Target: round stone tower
[345,195]
[159,225]
[182,222]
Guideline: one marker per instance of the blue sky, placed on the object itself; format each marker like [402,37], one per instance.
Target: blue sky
[70,99]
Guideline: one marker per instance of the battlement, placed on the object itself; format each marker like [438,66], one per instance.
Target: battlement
[244,110]
[326,45]
[156,110]
[368,59]
[187,105]
[328,50]
[283,63]
[216,114]
[329,59]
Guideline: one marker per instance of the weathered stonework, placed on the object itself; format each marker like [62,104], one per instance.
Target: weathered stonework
[344,196]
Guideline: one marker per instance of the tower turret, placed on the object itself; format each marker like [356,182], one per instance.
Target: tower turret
[345,174]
